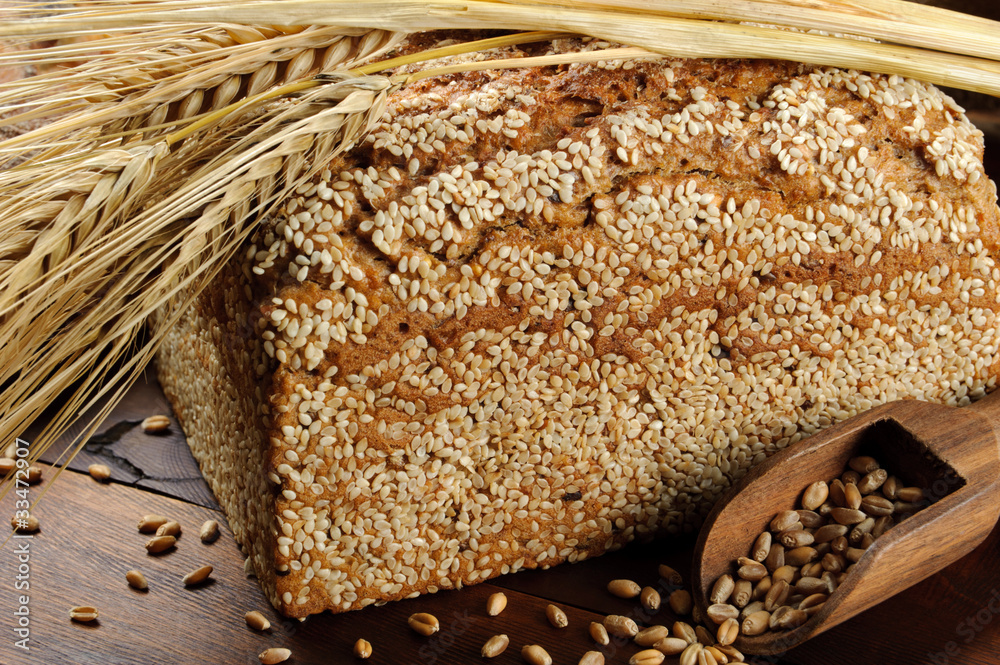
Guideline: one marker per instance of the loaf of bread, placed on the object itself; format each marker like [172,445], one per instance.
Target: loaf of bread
[539,313]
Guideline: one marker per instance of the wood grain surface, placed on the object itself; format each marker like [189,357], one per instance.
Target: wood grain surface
[161,463]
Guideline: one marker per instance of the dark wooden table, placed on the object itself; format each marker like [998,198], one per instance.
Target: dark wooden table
[88,540]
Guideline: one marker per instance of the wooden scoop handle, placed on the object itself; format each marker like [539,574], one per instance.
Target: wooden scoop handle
[989,408]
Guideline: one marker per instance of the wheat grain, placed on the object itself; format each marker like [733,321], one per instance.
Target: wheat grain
[274,655]
[209,531]
[83,613]
[136,580]
[256,620]
[197,576]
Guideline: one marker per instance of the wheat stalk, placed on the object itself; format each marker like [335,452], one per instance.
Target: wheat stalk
[888,21]
[652,29]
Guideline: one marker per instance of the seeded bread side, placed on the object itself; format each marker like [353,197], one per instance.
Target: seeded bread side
[212,368]
[539,313]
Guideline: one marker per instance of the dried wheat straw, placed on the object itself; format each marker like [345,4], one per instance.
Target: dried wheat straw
[640,26]
[98,250]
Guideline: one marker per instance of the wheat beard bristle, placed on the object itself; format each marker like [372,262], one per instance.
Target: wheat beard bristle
[99,241]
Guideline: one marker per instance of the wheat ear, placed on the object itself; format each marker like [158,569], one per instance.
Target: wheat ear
[185,250]
[169,86]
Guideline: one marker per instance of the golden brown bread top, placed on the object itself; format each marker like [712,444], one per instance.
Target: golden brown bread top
[541,312]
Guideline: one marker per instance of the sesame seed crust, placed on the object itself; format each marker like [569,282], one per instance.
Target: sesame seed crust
[537,314]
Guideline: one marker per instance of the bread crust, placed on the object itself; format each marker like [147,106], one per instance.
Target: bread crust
[540,313]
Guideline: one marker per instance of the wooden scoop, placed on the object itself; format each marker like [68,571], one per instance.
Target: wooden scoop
[951,453]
